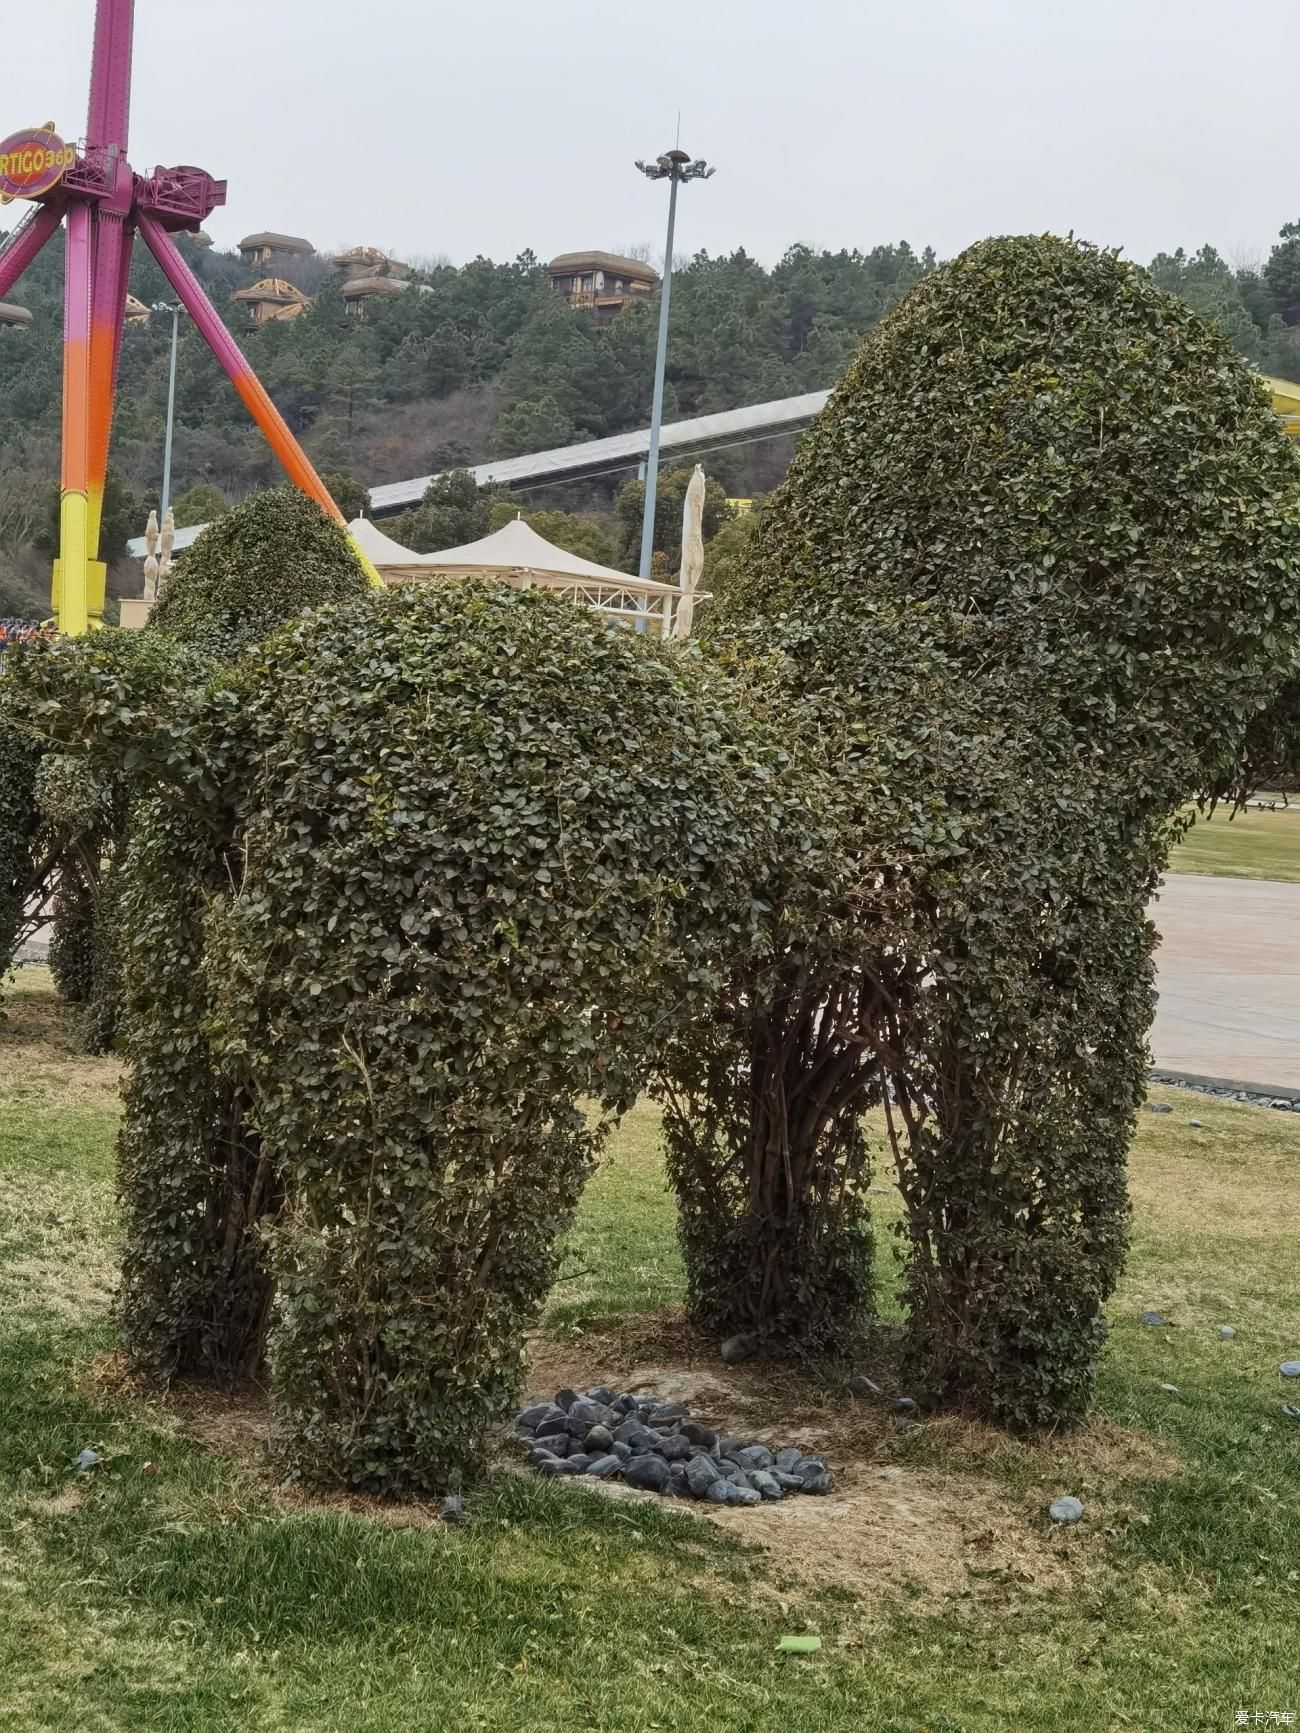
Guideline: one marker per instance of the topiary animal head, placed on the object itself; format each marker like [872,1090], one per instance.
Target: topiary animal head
[261,564]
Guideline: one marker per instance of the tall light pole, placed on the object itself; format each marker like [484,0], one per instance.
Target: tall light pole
[674,166]
[175,309]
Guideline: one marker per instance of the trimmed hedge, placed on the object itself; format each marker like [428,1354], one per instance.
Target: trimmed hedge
[1032,575]
[422,887]
[491,850]
[259,564]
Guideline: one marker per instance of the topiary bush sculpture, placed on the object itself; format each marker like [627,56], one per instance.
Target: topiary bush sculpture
[491,850]
[260,563]
[423,884]
[1032,575]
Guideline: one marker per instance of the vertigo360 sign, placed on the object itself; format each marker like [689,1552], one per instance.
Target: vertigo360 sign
[32,162]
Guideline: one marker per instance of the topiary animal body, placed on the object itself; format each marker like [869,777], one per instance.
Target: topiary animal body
[1033,572]
[491,850]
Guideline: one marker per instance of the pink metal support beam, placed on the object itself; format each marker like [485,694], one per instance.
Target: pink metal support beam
[110,76]
[24,244]
[274,428]
[241,375]
[104,203]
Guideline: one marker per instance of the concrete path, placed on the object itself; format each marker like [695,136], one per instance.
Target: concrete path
[1228,974]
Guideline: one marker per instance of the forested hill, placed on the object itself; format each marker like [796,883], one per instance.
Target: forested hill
[491,361]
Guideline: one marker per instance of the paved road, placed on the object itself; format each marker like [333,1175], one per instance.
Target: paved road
[1229,979]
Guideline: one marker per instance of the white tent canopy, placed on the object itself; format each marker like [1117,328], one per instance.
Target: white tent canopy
[517,555]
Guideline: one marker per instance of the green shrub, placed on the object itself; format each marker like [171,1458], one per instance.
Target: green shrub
[1031,576]
[19,820]
[490,851]
[259,564]
[77,815]
[414,895]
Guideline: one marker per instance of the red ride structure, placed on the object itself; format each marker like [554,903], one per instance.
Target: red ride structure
[93,191]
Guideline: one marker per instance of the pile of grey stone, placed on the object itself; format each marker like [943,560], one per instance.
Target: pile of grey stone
[656,1447]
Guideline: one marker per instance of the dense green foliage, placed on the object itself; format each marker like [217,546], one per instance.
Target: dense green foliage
[416,882]
[19,821]
[1032,575]
[490,848]
[257,565]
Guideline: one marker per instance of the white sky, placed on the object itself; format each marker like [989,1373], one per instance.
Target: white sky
[489,125]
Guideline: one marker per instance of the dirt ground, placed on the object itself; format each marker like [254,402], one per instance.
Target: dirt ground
[949,1509]
[952,1512]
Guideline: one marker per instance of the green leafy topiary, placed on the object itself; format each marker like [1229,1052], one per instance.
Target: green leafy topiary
[259,564]
[1033,573]
[491,850]
[19,822]
[415,895]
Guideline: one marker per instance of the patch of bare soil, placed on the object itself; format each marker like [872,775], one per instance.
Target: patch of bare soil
[949,1510]
[42,1060]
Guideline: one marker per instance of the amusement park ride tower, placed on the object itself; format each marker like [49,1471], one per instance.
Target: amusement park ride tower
[92,189]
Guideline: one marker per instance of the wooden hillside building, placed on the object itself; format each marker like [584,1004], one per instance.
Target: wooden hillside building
[605,283]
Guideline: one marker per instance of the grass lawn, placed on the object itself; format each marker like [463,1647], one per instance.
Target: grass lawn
[179,1588]
[1257,843]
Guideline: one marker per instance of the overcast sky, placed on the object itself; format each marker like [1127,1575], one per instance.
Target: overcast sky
[487,126]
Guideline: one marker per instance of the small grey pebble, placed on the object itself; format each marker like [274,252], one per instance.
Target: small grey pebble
[452,1508]
[1291,1410]
[1226,1332]
[1155,1321]
[738,1348]
[1290,1368]
[861,1386]
[1196,1124]
[701,1473]
[1065,1510]
[1159,1107]
[699,1436]
[1170,1389]
[89,1459]
[904,1405]
[649,1473]
[604,1467]
[674,1448]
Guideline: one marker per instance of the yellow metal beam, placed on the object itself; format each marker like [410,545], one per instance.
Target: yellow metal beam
[1286,403]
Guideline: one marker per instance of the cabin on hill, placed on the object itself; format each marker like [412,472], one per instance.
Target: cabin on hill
[358,290]
[262,249]
[369,262]
[272,298]
[603,282]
